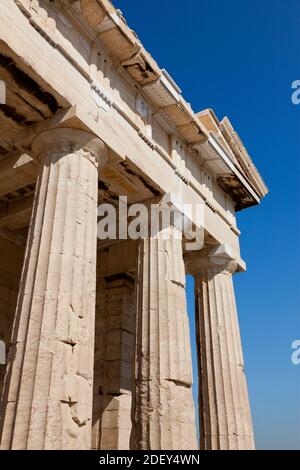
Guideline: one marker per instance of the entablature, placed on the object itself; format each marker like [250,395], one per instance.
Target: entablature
[106,52]
[154,109]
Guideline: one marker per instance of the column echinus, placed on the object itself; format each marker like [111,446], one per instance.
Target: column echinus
[47,395]
[224,410]
[164,414]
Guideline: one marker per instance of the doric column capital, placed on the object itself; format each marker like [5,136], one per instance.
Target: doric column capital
[57,142]
[219,259]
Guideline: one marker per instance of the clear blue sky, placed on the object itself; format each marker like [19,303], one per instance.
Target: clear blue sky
[240,58]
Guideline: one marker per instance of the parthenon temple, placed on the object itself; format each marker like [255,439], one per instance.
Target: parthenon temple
[95,333]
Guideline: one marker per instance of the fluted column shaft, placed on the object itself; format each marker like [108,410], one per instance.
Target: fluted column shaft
[164,416]
[114,350]
[47,399]
[224,410]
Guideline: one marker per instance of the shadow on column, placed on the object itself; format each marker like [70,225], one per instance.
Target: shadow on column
[114,351]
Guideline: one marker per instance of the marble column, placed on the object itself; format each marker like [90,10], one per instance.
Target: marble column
[47,399]
[164,414]
[113,382]
[224,410]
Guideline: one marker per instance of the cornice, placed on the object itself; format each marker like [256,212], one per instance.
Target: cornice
[155,84]
[164,94]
